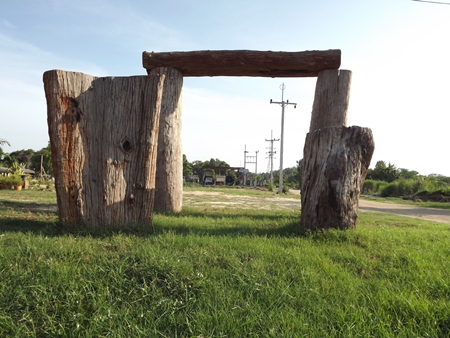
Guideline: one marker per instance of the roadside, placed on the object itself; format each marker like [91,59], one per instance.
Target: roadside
[429,214]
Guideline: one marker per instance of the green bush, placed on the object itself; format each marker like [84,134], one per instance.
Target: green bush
[4,180]
[11,180]
[373,187]
[16,180]
[391,190]
[411,187]
[444,192]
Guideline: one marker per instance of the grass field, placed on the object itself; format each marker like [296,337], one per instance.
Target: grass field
[220,272]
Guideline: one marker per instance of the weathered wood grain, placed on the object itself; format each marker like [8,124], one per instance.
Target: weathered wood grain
[104,136]
[245,62]
[169,167]
[331,99]
[335,164]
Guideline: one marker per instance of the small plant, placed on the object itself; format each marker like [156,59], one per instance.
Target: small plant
[17,168]
[16,180]
[5,182]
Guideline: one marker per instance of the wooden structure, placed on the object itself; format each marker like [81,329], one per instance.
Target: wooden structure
[176,65]
[104,136]
[245,62]
[109,135]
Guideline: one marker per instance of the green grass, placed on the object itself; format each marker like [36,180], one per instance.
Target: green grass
[220,273]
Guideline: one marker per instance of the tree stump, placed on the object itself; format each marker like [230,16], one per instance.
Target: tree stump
[104,136]
[169,163]
[335,164]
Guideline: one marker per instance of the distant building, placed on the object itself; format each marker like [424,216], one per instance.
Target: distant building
[436,175]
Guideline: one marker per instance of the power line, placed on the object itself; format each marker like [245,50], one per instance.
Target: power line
[433,2]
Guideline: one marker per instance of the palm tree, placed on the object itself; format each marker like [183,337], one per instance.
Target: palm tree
[3,142]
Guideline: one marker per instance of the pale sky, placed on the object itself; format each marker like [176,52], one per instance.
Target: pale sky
[398,51]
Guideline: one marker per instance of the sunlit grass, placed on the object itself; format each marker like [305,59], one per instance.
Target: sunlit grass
[214,272]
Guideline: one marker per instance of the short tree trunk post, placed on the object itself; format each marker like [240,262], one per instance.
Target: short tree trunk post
[331,99]
[104,136]
[169,167]
[335,164]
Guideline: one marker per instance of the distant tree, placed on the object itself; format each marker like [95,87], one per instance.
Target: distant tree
[2,143]
[215,162]
[384,172]
[292,176]
[46,155]
[8,160]
[187,167]
[300,171]
[197,168]
[231,177]
[408,174]
[23,156]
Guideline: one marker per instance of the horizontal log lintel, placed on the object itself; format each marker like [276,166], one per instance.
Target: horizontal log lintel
[245,62]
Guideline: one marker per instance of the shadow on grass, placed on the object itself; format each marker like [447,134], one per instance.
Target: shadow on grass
[22,206]
[42,219]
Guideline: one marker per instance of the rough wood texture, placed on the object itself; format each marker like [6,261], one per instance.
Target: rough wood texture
[331,99]
[335,165]
[169,167]
[245,62]
[103,135]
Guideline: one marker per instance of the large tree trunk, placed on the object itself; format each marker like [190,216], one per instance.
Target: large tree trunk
[335,165]
[103,135]
[245,62]
[331,99]
[169,167]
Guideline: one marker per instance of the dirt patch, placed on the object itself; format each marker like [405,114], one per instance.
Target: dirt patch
[222,200]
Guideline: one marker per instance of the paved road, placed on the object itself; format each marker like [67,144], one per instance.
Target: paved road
[430,214]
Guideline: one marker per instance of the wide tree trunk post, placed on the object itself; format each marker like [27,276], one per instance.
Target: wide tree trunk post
[169,167]
[335,164]
[104,135]
[331,99]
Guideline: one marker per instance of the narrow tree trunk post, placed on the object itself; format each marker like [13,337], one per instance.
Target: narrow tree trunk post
[331,99]
[169,167]
[104,135]
[245,62]
[335,164]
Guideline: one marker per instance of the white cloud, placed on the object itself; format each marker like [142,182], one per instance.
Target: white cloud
[23,113]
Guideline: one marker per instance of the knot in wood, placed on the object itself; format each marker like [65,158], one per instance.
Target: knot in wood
[126,145]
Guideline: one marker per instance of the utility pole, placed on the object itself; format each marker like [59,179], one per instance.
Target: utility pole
[283,104]
[245,163]
[256,168]
[271,153]
[250,159]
